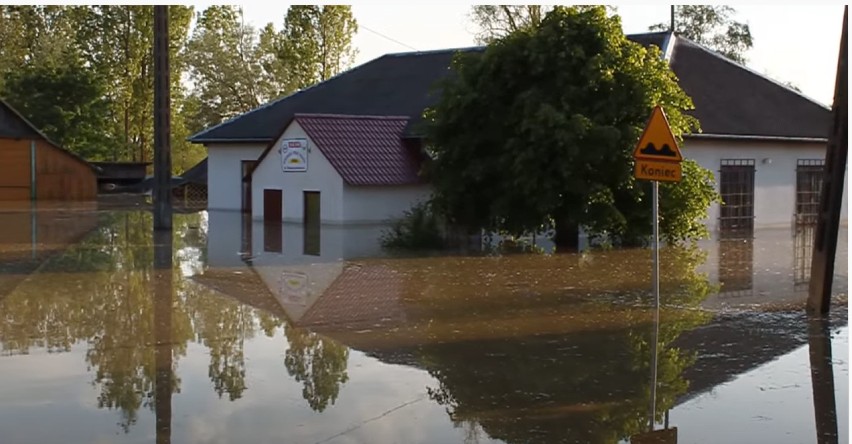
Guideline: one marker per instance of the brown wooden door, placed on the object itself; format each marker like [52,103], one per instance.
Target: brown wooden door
[311,228]
[272,206]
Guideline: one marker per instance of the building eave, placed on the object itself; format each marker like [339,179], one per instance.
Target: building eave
[230,141]
[756,138]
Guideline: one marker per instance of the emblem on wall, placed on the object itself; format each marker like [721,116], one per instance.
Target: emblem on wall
[294,288]
[294,155]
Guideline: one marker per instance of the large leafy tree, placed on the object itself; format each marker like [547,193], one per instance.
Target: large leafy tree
[226,63]
[317,42]
[538,131]
[714,27]
[495,21]
[116,41]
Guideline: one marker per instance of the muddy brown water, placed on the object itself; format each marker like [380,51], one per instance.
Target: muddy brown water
[110,335]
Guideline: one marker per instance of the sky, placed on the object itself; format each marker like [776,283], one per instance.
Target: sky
[792,43]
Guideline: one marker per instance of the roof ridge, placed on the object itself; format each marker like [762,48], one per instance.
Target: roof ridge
[279,99]
[350,116]
[435,51]
[751,70]
[635,34]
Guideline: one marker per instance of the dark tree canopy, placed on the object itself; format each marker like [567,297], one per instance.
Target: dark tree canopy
[538,131]
[66,102]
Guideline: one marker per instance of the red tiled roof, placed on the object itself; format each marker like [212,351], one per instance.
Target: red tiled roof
[365,150]
[363,296]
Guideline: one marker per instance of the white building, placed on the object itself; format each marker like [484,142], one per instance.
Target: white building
[336,169]
[764,142]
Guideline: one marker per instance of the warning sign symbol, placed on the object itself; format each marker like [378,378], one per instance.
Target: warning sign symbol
[657,141]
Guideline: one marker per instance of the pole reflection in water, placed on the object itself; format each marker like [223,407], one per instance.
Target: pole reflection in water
[822,379]
[163,295]
[666,435]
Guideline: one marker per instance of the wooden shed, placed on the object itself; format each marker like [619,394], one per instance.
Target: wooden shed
[32,167]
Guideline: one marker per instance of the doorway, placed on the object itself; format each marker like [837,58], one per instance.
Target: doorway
[311,221]
[272,203]
[273,238]
[246,167]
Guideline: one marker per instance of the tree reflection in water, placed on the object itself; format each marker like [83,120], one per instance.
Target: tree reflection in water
[586,386]
[522,348]
[318,363]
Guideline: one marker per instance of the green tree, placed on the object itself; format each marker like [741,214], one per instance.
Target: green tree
[538,131]
[226,64]
[37,35]
[317,42]
[117,41]
[496,21]
[66,102]
[714,27]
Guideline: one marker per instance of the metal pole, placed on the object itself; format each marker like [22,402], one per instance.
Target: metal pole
[162,121]
[831,200]
[672,27]
[655,284]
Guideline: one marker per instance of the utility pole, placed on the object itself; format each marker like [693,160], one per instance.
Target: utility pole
[831,198]
[672,26]
[162,121]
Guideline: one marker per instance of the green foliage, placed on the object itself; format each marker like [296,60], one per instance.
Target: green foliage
[683,205]
[714,27]
[538,131]
[107,51]
[317,42]
[66,102]
[418,229]
[225,59]
[496,21]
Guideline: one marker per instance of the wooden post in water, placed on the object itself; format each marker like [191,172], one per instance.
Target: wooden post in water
[163,360]
[822,380]
[831,198]
[162,121]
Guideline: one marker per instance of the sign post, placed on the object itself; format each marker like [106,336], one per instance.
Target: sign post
[657,159]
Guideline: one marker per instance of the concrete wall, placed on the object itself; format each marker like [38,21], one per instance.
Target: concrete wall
[379,204]
[321,176]
[775,177]
[224,181]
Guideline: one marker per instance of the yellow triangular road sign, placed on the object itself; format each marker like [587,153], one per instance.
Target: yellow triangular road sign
[657,141]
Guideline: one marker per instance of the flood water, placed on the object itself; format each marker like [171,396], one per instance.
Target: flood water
[226,331]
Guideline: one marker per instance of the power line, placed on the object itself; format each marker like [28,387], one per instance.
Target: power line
[387,38]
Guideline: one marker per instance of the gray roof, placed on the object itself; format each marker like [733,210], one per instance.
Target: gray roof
[196,174]
[730,99]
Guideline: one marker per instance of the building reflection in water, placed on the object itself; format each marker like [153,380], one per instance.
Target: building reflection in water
[736,263]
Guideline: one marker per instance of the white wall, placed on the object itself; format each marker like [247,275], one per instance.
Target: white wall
[337,242]
[321,176]
[774,182]
[225,233]
[367,204]
[224,181]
